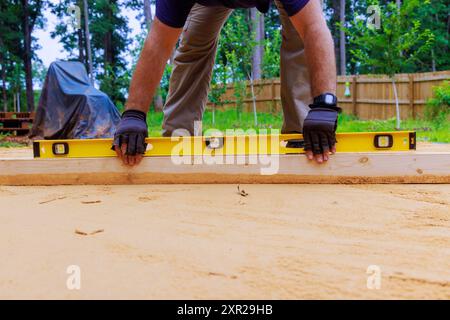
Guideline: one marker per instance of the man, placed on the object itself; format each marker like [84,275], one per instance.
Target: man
[307,70]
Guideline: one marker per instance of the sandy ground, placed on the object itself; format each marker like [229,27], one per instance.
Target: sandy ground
[209,242]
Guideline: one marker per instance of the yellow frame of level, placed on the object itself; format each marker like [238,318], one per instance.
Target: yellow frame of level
[232,145]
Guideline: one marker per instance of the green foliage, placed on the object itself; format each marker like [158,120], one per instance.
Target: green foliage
[435,17]
[12,48]
[272,44]
[416,39]
[438,107]
[271,59]
[397,45]
[9,144]
[234,59]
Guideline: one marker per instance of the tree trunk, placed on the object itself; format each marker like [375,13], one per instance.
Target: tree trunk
[158,102]
[258,51]
[107,41]
[342,46]
[335,33]
[27,55]
[80,40]
[4,94]
[255,115]
[148,14]
[87,35]
[397,106]
[433,61]
[80,46]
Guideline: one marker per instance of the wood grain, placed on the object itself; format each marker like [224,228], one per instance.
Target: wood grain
[344,168]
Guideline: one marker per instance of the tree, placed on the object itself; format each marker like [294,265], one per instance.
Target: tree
[158,102]
[31,11]
[109,36]
[395,46]
[332,12]
[18,19]
[87,36]
[342,40]
[257,20]
[272,44]
[435,17]
[234,61]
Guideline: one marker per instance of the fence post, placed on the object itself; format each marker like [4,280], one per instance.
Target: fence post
[411,95]
[354,96]
[274,103]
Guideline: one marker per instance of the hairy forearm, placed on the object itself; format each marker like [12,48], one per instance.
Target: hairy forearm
[319,47]
[150,67]
[321,61]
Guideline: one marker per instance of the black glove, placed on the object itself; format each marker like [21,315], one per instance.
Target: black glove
[132,131]
[319,128]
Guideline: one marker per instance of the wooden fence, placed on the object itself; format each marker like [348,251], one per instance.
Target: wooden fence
[368,97]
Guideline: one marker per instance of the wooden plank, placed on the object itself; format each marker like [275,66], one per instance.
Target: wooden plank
[343,168]
[445,76]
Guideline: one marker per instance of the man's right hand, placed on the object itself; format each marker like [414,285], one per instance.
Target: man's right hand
[319,131]
[129,139]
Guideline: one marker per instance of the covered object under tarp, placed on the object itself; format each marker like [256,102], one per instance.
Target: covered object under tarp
[71,108]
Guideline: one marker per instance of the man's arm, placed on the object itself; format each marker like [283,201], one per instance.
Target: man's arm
[319,126]
[312,27]
[157,49]
[129,141]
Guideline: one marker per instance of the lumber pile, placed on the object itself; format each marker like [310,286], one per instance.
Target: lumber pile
[16,123]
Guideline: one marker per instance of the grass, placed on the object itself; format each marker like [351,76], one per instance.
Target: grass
[428,131]
[431,131]
[10,143]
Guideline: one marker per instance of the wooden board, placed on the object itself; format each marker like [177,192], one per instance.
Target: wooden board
[342,169]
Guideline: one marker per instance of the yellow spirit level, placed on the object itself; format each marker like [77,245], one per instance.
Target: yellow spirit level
[227,145]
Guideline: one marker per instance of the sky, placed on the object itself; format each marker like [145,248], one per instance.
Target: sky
[51,50]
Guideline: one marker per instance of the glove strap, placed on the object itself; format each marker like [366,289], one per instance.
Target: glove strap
[137,114]
[325,106]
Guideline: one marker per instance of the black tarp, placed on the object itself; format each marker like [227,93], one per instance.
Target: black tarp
[71,108]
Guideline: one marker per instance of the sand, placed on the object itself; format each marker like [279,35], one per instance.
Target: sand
[209,242]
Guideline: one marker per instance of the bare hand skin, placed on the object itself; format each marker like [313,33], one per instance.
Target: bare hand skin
[321,158]
[126,159]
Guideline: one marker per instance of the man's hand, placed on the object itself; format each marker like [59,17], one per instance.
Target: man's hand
[129,140]
[319,133]
[320,125]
